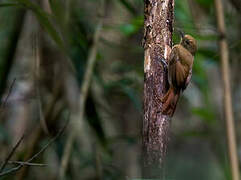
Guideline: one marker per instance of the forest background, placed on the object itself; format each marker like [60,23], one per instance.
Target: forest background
[82,62]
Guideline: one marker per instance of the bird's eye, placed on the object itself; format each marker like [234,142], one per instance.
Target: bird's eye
[187,42]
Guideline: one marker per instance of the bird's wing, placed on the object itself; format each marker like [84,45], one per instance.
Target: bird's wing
[176,71]
[188,79]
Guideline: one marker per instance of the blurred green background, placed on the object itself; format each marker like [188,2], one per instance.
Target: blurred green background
[45,46]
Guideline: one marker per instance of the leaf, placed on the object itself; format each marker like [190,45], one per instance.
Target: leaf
[199,74]
[123,86]
[128,6]
[94,120]
[128,29]
[132,94]
[133,27]
[205,113]
[131,140]
[58,11]
[8,4]
[193,133]
[182,12]
[43,18]
[205,3]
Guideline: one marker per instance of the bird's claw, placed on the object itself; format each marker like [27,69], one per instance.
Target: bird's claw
[164,63]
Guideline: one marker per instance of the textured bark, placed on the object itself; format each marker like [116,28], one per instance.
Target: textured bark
[158,28]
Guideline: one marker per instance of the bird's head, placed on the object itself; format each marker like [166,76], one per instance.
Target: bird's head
[189,43]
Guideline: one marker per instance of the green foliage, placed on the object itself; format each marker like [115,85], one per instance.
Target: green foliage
[204,113]
[44,20]
[205,3]
[95,121]
[195,134]
[9,4]
[57,9]
[132,94]
[132,28]
[183,14]
[124,71]
[43,17]
[128,6]
[3,134]
[125,86]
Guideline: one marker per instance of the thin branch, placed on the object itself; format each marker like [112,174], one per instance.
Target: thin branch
[9,171]
[9,93]
[83,94]
[232,147]
[11,52]
[12,170]
[50,142]
[26,163]
[38,132]
[11,153]
[36,51]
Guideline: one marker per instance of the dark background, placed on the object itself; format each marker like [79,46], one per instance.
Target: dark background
[45,47]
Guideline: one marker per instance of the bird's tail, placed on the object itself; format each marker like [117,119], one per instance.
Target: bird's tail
[170,101]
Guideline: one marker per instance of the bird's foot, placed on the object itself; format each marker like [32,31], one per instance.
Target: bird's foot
[164,63]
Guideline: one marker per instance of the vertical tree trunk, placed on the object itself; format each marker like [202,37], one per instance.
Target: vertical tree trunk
[158,28]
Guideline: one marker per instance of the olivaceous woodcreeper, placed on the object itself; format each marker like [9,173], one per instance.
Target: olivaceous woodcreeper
[180,64]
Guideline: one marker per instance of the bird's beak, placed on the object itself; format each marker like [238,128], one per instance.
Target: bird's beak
[181,33]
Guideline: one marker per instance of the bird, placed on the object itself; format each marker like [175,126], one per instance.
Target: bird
[179,68]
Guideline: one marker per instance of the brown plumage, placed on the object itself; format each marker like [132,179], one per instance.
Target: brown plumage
[179,72]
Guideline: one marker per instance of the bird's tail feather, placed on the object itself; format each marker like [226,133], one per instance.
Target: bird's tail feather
[170,101]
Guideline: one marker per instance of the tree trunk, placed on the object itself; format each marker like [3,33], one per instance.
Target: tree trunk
[158,28]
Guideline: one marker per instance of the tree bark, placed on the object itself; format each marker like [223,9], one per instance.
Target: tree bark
[157,42]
